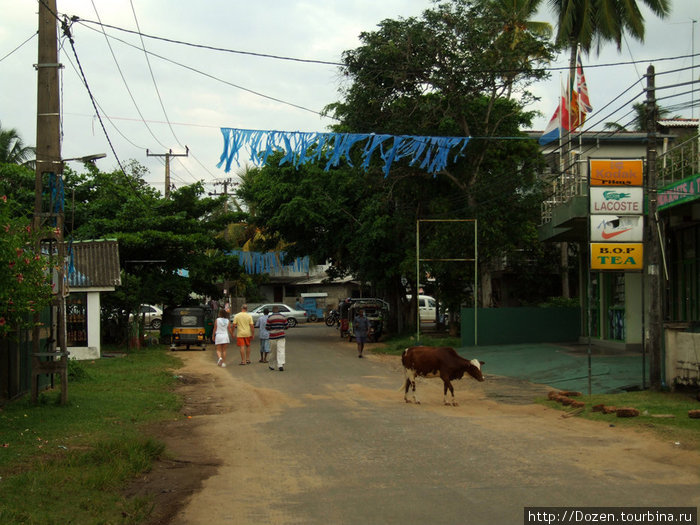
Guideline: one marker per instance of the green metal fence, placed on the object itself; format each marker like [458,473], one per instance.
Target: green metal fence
[498,326]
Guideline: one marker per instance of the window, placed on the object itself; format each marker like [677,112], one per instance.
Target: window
[684,300]
[188,320]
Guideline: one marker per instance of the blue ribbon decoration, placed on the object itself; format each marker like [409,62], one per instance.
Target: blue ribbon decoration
[299,148]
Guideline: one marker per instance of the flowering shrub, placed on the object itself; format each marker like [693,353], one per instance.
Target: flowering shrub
[25,285]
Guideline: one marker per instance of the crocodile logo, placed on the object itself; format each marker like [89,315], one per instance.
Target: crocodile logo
[615,196]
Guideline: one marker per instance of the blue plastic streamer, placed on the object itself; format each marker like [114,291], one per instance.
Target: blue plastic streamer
[268,262]
[299,148]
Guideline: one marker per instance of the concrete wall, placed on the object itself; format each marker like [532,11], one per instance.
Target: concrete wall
[682,360]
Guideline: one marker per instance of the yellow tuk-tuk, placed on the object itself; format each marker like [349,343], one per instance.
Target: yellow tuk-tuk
[187,326]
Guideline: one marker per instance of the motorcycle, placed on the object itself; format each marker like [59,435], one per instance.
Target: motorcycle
[332,318]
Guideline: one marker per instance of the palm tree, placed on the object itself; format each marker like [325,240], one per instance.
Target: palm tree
[583,22]
[517,29]
[640,119]
[515,15]
[12,148]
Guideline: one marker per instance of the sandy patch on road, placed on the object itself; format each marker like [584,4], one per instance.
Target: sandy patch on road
[207,460]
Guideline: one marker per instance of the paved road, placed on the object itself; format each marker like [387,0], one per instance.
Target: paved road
[330,441]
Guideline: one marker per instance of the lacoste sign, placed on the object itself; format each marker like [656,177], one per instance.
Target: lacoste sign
[621,200]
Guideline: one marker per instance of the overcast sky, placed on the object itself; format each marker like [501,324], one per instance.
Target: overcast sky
[225,90]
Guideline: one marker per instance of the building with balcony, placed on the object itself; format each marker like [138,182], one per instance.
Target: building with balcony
[613,302]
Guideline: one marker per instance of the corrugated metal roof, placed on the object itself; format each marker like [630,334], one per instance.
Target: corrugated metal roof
[679,123]
[93,264]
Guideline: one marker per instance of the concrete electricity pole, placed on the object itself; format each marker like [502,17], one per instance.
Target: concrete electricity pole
[167,165]
[225,183]
[49,171]
[653,251]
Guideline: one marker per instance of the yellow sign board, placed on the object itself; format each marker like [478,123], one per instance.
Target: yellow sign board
[616,172]
[617,256]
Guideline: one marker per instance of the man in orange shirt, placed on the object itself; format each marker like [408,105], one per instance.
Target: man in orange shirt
[245,329]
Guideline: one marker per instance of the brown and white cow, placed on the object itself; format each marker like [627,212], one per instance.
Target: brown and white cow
[437,361]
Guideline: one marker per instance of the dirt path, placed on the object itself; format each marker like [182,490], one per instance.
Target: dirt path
[330,440]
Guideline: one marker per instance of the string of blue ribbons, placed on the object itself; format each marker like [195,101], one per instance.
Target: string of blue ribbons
[299,147]
[268,262]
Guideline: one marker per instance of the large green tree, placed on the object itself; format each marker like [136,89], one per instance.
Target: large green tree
[452,73]
[168,248]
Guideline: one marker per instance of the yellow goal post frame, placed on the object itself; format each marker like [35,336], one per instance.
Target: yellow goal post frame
[419,260]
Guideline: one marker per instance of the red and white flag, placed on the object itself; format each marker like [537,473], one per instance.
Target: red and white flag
[579,102]
[558,122]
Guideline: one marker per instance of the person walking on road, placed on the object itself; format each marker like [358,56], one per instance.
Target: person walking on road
[360,327]
[223,333]
[245,329]
[264,335]
[276,325]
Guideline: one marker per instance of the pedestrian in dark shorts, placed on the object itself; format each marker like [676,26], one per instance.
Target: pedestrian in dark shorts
[360,327]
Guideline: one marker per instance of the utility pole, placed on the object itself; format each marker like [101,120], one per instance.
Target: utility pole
[49,170]
[225,183]
[653,239]
[167,165]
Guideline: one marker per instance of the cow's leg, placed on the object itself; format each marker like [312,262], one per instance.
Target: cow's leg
[448,386]
[410,383]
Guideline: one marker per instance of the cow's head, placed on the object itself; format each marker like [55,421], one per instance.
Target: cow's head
[474,369]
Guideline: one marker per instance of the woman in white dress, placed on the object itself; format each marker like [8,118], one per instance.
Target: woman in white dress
[223,333]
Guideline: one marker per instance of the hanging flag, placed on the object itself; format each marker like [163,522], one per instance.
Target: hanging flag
[580,103]
[558,122]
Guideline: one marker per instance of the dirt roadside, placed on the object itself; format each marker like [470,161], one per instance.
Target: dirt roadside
[220,404]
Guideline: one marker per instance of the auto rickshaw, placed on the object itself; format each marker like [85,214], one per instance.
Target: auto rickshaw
[375,311]
[188,326]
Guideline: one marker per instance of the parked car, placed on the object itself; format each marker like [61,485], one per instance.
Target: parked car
[153,316]
[426,306]
[293,316]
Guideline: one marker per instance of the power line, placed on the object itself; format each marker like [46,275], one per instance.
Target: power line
[213,48]
[19,46]
[341,64]
[126,85]
[66,31]
[208,75]
[153,78]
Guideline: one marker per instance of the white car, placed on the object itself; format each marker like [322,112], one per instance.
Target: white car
[153,316]
[426,306]
[293,316]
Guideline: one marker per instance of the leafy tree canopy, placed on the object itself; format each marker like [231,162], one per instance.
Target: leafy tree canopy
[451,72]
[158,238]
[24,289]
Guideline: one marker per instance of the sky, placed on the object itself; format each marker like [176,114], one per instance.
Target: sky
[182,97]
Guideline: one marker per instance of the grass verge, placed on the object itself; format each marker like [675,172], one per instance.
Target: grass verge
[663,413]
[397,344]
[68,463]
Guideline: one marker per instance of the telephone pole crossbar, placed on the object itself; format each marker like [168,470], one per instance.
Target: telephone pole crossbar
[167,165]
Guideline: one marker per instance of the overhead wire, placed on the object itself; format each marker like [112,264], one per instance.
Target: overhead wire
[19,46]
[126,84]
[213,77]
[271,56]
[66,31]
